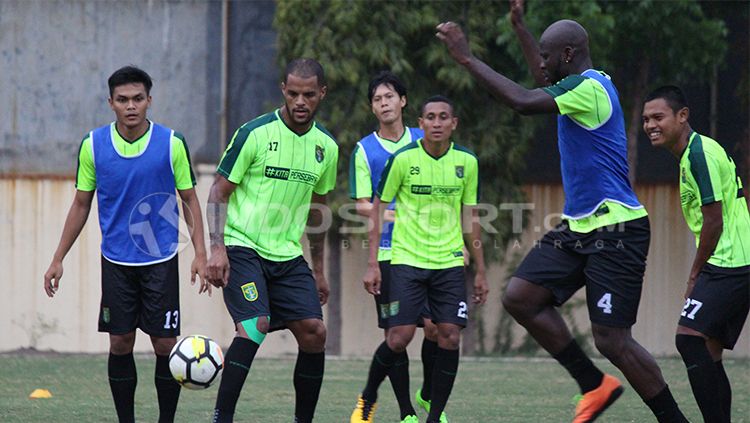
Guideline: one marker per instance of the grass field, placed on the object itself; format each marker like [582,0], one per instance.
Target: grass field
[487,390]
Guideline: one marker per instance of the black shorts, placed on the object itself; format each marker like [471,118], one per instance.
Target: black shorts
[283,290]
[145,297]
[444,290]
[609,261]
[719,303]
[383,304]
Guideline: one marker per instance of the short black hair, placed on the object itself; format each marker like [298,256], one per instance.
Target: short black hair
[129,75]
[388,78]
[305,68]
[436,99]
[672,94]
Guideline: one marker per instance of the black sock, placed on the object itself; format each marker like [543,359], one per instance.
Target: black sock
[703,375]
[399,376]
[167,389]
[725,391]
[122,381]
[665,408]
[577,363]
[382,361]
[444,374]
[308,378]
[429,351]
[237,364]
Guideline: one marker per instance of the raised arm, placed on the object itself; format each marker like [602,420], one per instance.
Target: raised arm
[74,222]
[217,269]
[508,92]
[529,45]
[316,238]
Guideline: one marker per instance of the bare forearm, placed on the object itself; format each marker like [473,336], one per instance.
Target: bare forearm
[530,52]
[74,223]
[709,239]
[473,240]
[195,225]
[373,235]
[316,240]
[216,216]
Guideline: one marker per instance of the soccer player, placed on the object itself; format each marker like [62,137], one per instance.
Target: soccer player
[431,180]
[275,168]
[135,165]
[717,296]
[603,240]
[387,96]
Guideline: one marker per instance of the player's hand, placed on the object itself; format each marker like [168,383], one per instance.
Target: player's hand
[481,289]
[322,284]
[516,12]
[453,37]
[372,279]
[198,269]
[217,268]
[52,278]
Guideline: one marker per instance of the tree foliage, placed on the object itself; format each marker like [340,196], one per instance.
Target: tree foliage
[356,39]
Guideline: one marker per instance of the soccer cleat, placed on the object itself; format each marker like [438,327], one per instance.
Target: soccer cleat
[410,419]
[364,412]
[425,404]
[595,402]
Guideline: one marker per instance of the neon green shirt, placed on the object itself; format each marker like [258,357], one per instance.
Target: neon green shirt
[708,175]
[276,172]
[360,180]
[183,172]
[429,193]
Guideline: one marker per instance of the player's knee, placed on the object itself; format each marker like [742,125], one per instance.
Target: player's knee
[313,334]
[449,339]
[689,345]
[611,342]
[256,328]
[163,346]
[513,299]
[398,339]
[121,344]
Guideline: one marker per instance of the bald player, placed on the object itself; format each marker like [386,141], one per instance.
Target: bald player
[603,239]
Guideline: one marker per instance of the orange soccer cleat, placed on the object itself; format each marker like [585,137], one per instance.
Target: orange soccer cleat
[595,402]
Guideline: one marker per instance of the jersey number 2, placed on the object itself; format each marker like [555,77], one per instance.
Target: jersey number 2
[462,310]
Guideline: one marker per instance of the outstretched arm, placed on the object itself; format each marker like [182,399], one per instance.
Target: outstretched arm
[508,92]
[528,43]
[77,216]
[316,238]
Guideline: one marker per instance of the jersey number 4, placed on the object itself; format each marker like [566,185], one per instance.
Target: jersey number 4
[696,306]
[605,303]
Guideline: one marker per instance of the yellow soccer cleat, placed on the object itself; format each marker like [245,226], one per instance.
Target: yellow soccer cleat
[364,412]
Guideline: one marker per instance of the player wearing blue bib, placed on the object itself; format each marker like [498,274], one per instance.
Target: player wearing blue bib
[135,167]
[387,96]
[603,240]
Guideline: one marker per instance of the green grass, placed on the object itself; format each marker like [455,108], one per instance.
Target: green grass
[491,390]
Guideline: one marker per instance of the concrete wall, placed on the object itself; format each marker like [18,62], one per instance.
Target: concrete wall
[56,57]
[32,213]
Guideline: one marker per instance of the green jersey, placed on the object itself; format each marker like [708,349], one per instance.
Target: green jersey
[276,172]
[708,175]
[429,193]
[362,182]
[183,172]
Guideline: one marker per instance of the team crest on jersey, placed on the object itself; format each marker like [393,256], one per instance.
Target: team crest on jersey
[459,171]
[319,153]
[250,291]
